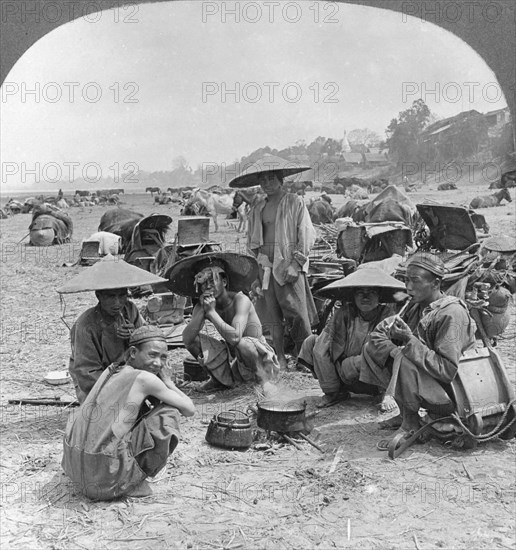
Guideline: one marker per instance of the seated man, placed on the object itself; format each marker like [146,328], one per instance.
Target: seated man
[427,342]
[334,356]
[112,442]
[101,334]
[238,352]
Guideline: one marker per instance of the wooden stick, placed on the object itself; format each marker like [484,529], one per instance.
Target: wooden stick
[397,361]
[290,440]
[336,460]
[313,443]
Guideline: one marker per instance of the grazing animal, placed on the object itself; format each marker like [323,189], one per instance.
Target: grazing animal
[30,204]
[214,204]
[448,186]
[507,180]
[49,227]
[14,207]
[113,199]
[120,222]
[351,210]
[320,211]
[82,193]
[243,201]
[163,198]
[358,193]
[491,200]
[153,190]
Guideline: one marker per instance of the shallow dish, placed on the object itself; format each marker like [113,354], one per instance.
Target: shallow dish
[57,377]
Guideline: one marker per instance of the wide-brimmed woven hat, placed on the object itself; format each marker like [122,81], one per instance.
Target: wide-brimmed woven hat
[502,243]
[344,289]
[241,270]
[108,274]
[269,163]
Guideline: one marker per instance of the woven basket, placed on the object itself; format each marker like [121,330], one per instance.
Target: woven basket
[351,242]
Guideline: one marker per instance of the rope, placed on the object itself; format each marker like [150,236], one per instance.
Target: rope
[496,431]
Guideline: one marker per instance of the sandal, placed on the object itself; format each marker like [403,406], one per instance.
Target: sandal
[384,444]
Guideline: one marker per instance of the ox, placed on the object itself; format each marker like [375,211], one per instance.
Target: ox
[320,211]
[352,209]
[243,201]
[448,186]
[153,190]
[120,222]
[212,203]
[49,227]
[491,200]
[507,181]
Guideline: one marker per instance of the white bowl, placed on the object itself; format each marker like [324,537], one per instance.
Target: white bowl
[57,377]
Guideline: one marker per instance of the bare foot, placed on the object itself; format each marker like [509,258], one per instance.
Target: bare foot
[388,404]
[283,363]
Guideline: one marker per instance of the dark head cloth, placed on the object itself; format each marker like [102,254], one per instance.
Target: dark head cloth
[250,177]
[147,333]
[428,261]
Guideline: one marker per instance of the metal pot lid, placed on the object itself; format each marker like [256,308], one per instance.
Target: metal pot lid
[235,417]
[282,406]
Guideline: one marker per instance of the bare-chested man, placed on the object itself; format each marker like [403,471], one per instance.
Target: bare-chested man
[281,235]
[114,441]
[237,352]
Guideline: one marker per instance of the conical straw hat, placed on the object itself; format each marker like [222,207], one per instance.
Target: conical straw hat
[268,163]
[344,289]
[108,274]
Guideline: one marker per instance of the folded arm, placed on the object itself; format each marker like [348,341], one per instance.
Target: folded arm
[233,332]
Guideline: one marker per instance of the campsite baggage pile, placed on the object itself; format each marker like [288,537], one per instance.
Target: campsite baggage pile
[481,270]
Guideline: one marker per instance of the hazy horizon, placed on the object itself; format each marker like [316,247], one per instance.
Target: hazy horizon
[161,80]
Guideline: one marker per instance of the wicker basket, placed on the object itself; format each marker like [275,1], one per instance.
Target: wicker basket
[351,242]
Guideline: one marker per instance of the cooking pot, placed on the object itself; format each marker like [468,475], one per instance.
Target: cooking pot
[193,371]
[281,417]
[230,429]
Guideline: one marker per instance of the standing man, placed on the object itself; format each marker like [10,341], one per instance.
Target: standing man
[281,235]
[236,351]
[427,341]
[101,334]
[114,441]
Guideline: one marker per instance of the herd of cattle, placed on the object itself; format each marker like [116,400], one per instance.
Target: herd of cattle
[51,225]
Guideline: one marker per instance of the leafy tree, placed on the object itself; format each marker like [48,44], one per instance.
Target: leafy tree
[364,136]
[331,147]
[404,133]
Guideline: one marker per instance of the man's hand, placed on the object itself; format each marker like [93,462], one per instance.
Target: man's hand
[124,330]
[300,258]
[208,303]
[165,377]
[291,275]
[400,331]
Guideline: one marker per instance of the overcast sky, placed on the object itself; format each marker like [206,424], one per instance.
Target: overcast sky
[153,64]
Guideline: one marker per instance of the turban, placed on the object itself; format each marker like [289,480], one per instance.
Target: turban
[428,261]
[147,333]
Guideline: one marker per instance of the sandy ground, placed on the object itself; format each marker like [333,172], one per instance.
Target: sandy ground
[280,497]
